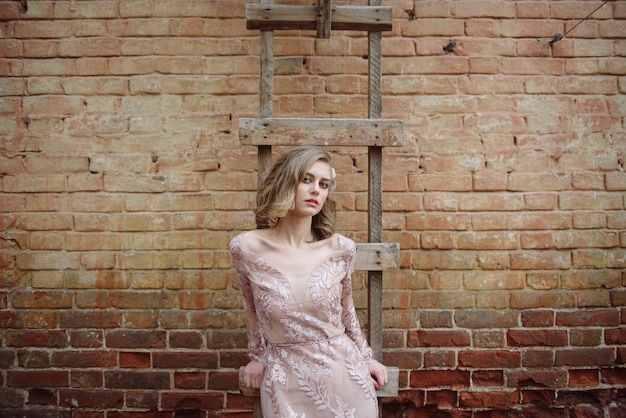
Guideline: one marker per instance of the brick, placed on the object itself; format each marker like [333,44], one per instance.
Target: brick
[132,360]
[488,339]
[489,358]
[585,357]
[578,239]
[176,360]
[528,28]
[615,336]
[532,260]
[486,378]
[538,182]
[584,378]
[594,298]
[585,337]
[430,338]
[86,379]
[101,399]
[591,280]
[538,358]
[33,359]
[592,396]
[224,380]
[613,376]
[540,398]
[190,400]
[492,399]
[493,280]
[488,241]
[490,181]
[42,299]
[538,318]
[439,358]
[439,378]
[476,318]
[87,339]
[542,281]
[528,338]
[141,320]
[234,358]
[537,240]
[596,317]
[91,319]
[27,379]
[135,339]
[143,399]
[84,359]
[136,380]
[25,183]
[616,258]
[190,380]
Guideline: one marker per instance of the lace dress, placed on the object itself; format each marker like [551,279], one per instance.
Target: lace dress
[313,349]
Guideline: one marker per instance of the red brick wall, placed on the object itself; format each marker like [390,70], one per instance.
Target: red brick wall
[122,181]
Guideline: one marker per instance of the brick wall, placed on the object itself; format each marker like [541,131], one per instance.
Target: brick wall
[122,181]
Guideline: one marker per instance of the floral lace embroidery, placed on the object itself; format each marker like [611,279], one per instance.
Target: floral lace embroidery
[308,373]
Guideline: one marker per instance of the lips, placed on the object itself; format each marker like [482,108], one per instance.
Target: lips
[312,202]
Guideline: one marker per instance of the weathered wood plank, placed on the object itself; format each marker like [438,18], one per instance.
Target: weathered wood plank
[285,17]
[375,195]
[338,132]
[266,109]
[376,256]
[390,389]
[324,18]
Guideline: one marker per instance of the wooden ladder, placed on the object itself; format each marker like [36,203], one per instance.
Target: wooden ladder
[374,132]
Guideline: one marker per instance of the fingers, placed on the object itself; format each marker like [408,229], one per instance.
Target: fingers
[252,381]
[379,375]
[253,375]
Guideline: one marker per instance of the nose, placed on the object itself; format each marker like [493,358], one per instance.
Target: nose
[316,187]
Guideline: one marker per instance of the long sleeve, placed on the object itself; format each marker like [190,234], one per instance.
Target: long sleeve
[256,341]
[349,317]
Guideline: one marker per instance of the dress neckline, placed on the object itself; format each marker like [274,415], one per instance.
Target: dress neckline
[262,260]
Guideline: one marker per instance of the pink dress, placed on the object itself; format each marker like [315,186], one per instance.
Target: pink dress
[313,349]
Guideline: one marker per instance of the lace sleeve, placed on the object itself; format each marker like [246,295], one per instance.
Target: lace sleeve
[256,341]
[349,317]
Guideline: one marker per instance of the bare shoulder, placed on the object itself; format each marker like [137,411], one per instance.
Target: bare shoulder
[256,241]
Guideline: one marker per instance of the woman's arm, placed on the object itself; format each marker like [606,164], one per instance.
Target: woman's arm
[353,327]
[253,373]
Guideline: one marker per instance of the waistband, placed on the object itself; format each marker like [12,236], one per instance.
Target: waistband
[293,344]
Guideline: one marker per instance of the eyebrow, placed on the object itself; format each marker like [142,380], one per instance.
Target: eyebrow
[313,175]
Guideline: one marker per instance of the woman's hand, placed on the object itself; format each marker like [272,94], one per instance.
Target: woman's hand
[378,373]
[253,374]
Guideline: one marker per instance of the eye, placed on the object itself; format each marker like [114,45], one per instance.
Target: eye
[324,185]
[306,180]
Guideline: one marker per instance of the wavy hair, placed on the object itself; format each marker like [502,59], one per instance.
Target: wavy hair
[277,192]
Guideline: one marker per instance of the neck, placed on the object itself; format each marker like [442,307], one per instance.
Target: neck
[294,231]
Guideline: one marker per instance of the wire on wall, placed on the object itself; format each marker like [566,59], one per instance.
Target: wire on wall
[557,36]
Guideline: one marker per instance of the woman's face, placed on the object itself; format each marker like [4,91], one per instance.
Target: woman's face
[312,191]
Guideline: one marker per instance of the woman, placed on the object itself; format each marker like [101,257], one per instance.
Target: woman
[308,355]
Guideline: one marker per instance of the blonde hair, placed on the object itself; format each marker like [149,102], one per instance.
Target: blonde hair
[277,192]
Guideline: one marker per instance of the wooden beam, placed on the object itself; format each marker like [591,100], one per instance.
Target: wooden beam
[284,17]
[324,18]
[375,195]
[266,108]
[321,132]
[375,256]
